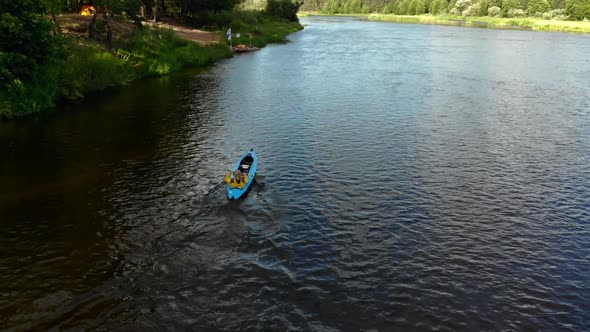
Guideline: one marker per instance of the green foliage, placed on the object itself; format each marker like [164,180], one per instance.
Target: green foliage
[388,9]
[352,7]
[471,10]
[331,7]
[494,11]
[160,52]
[555,14]
[90,68]
[578,9]
[516,13]
[462,5]
[286,9]
[404,7]
[419,7]
[437,7]
[482,9]
[558,4]
[26,42]
[508,5]
[190,7]
[537,6]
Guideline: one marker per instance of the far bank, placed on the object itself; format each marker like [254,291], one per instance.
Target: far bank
[525,23]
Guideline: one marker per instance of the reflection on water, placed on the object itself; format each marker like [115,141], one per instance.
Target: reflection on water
[411,177]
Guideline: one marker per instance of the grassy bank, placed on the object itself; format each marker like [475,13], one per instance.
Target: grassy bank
[88,67]
[85,66]
[490,22]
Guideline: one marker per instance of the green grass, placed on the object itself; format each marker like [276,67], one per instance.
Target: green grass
[490,22]
[262,34]
[160,52]
[254,26]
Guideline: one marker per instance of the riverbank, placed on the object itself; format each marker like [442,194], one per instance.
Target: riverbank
[525,23]
[84,66]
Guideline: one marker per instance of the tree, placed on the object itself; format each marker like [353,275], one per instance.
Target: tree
[331,7]
[352,7]
[462,5]
[286,9]
[482,9]
[420,7]
[578,9]
[494,11]
[508,5]
[26,40]
[407,7]
[538,6]
[437,7]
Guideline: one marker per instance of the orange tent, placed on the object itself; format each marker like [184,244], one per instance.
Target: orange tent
[87,10]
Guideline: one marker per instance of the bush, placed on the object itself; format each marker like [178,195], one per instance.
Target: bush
[462,5]
[578,9]
[516,13]
[538,6]
[507,5]
[455,12]
[286,9]
[555,14]
[494,11]
[471,10]
[92,69]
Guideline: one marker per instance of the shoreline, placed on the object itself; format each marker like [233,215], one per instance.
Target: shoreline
[521,23]
[159,49]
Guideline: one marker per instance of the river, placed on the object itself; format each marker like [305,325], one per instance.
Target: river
[411,177]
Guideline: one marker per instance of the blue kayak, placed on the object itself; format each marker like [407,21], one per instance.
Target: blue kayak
[247,165]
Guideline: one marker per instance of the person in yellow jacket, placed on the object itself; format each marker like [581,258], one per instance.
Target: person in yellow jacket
[238,180]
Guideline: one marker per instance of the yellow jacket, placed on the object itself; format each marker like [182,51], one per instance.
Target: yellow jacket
[235,183]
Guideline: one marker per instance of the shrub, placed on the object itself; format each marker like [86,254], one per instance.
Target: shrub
[494,11]
[455,12]
[516,13]
[507,5]
[471,10]
[578,9]
[555,14]
[388,9]
[538,6]
[462,5]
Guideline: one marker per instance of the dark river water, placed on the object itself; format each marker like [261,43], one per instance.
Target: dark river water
[411,177]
